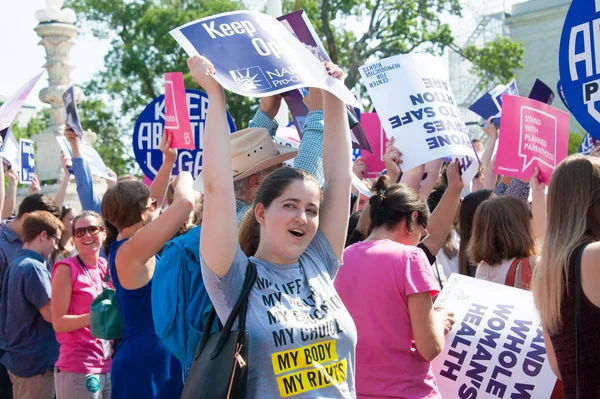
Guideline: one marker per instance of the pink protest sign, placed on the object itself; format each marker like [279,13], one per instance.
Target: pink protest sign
[531,134]
[177,117]
[377,138]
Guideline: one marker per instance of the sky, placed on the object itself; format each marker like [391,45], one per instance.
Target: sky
[23,57]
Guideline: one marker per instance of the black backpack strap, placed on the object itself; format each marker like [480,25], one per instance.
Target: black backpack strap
[578,290]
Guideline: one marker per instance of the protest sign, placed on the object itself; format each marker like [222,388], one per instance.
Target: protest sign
[255,56]
[89,154]
[533,134]
[416,106]
[579,63]
[299,25]
[288,136]
[27,160]
[11,154]
[148,133]
[71,111]
[361,186]
[496,347]
[10,109]
[377,138]
[541,92]
[561,94]
[490,104]
[177,119]
[587,144]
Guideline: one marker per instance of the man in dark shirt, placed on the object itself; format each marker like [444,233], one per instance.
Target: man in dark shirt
[26,333]
[11,243]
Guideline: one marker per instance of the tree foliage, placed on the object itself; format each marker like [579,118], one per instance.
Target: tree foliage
[35,125]
[496,61]
[353,31]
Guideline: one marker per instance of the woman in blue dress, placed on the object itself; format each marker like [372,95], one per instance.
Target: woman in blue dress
[143,366]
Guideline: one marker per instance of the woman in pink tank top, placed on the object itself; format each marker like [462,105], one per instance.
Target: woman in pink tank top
[84,362]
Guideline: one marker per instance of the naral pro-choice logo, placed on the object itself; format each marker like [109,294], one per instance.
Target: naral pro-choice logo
[251,78]
[579,62]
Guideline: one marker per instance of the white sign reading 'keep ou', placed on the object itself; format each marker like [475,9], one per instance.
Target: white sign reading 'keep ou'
[416,106]
[496,348]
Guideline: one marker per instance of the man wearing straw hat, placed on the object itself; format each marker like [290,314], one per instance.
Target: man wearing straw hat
[254,156]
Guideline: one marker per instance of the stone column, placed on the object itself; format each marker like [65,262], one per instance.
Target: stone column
[57,30]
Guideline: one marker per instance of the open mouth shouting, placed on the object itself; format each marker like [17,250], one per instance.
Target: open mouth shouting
[297,233]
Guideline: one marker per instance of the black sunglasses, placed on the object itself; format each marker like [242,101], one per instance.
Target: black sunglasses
[93,230]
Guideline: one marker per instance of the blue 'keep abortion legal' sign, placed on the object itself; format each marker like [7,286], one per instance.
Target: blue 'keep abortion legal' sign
[579,63]
[148,133]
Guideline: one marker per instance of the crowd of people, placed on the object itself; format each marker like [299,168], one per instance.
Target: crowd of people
[350,281]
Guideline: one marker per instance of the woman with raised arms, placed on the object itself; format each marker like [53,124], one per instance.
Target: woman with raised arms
[302,338]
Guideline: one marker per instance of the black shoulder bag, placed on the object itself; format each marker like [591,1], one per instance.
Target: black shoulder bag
[220,367]
[578,290]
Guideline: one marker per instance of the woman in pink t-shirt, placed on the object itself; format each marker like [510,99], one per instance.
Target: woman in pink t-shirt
[84,362]
[386,283]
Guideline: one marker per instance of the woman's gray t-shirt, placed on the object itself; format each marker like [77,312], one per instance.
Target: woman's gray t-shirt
[302,338]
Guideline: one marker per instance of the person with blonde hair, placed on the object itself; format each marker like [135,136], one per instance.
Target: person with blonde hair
[502,243]
[572,227]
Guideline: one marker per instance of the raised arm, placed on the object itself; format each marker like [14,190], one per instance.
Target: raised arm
[160,184]
[492,132]
[266,113]
[337,164]
[59,197]
[90,200]
[432,168]
[219,238]
[538,207]
[442,217]
[392,160]
[412,177]
[135,253]
[11,194]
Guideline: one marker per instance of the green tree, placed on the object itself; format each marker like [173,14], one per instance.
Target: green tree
[396,27]
[574,142]
[496,61]
[35,125]
[142,49]
[111,142]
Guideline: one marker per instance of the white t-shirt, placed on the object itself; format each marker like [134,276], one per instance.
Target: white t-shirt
[496,273]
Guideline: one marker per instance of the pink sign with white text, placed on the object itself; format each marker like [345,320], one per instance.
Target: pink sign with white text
[177,117]
[531,134]
[377,138]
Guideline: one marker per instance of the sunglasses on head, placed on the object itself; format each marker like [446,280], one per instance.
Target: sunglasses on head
[93,230]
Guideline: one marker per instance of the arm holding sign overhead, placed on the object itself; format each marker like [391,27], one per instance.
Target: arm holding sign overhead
[59,197]
[90,200]
[337,161]
[11,194]
[310,153]
[219,222]
[442,218]
[160,184]
[538,207]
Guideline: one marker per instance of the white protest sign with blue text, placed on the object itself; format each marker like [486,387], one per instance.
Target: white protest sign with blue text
[496,347]
[416,106]
[148,133]
[89,154]
[579,63]
[256,56]
[27,157]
